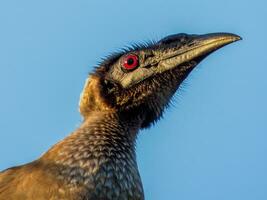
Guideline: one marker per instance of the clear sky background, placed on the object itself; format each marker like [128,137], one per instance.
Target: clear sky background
[211,143]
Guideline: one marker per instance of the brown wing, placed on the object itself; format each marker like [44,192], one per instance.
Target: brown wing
[10,179]
[33,182]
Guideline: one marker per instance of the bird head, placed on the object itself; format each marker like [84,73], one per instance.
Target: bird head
[140,81]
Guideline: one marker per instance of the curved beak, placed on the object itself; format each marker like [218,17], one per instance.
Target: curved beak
[177,49]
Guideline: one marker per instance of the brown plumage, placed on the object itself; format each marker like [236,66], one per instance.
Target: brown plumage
[127,92]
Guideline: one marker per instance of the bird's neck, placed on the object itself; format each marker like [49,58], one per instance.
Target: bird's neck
[101,152]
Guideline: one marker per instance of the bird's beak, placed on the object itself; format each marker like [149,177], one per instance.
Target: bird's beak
[178,49]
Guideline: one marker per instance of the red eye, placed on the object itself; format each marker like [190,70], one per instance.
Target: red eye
[130,62]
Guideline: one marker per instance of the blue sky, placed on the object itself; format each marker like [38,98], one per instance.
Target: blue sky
[211,143]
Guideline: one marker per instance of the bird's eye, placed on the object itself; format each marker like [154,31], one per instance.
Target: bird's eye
[130,62]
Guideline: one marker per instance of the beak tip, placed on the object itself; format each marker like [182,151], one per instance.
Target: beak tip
[237,37]
[229,36]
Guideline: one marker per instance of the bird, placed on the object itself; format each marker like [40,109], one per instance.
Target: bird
[127,92]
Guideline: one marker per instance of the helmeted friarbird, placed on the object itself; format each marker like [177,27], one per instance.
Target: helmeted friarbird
[127,92]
